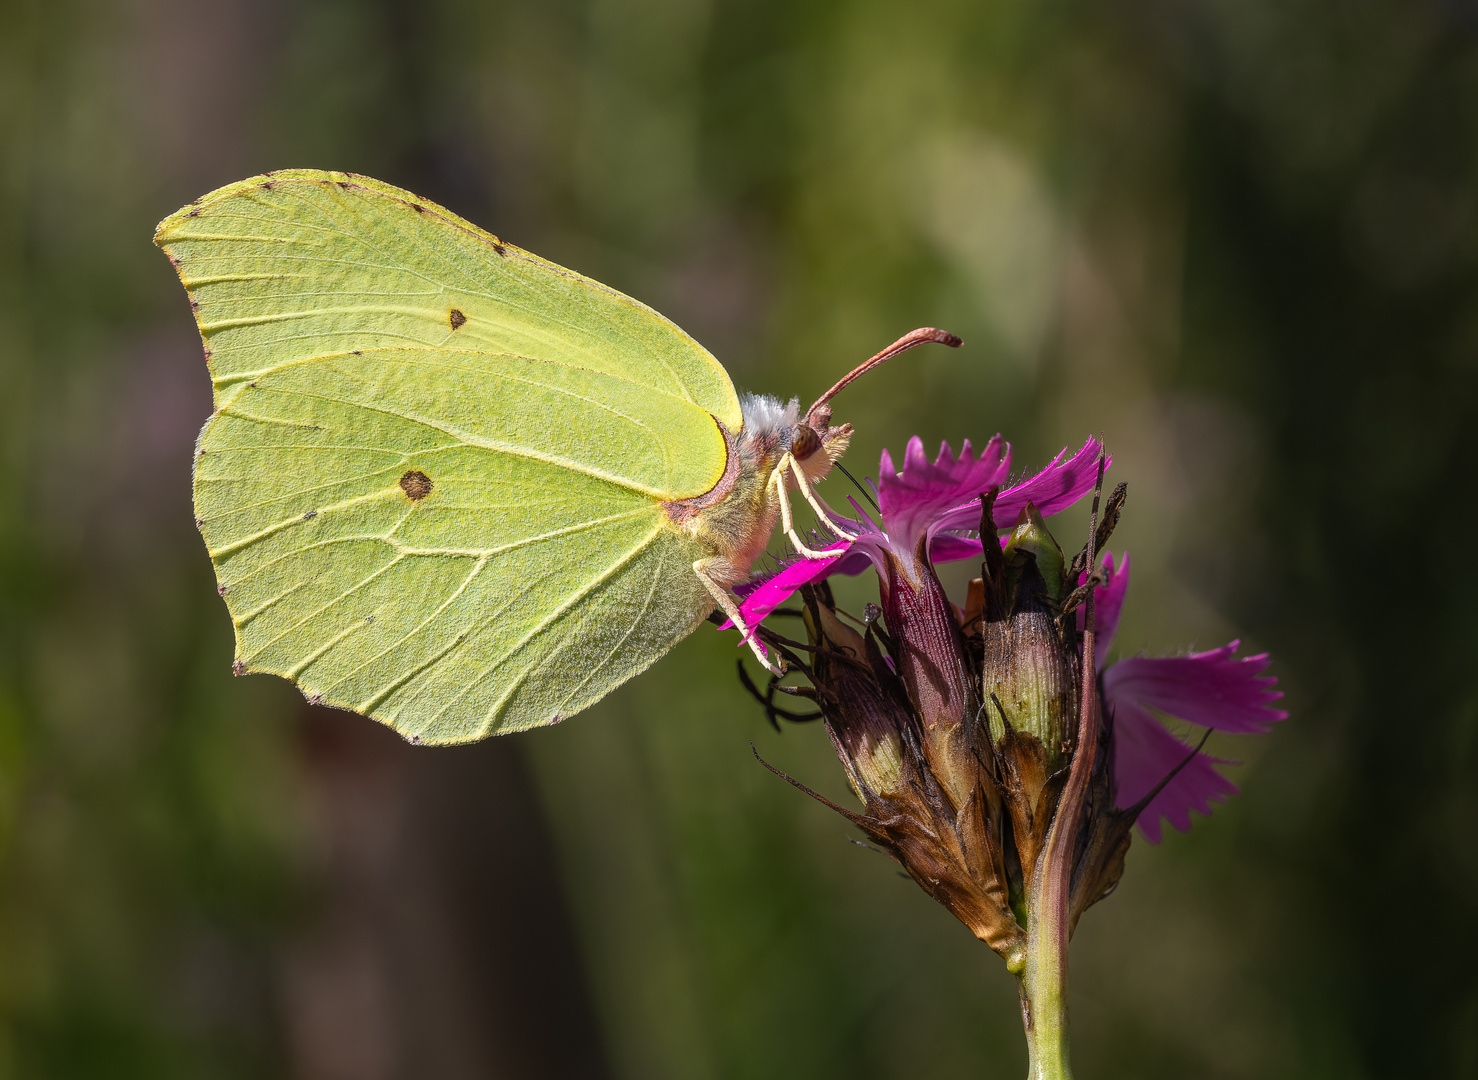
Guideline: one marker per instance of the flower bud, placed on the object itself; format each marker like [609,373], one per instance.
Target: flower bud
[1029,671]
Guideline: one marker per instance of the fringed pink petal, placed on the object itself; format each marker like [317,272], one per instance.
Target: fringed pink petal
[913,500]
[1054,489]
[1145,753]
[1108,603]
[1214,689]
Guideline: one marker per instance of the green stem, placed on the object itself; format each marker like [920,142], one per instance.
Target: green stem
[1043,978]
[1043,987]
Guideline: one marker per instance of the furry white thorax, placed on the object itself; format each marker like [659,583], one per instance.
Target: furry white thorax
[764,415]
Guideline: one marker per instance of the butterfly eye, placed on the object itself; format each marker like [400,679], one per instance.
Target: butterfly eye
[804,442]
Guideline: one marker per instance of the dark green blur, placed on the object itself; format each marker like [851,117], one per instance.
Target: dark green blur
[1237,239]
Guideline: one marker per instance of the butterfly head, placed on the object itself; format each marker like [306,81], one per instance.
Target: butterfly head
[818,445]
[772,427]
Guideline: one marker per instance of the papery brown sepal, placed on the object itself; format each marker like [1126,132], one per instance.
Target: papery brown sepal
[1103,843]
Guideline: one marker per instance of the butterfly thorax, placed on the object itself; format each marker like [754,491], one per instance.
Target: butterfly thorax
[734,522]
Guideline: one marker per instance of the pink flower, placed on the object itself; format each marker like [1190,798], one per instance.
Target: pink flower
[935,507]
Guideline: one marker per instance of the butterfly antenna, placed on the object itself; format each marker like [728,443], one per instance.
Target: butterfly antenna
[865,493]
[921,336]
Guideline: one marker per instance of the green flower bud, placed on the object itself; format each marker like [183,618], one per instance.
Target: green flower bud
[1029,673]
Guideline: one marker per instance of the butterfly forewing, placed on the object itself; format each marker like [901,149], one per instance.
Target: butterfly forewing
[300,264]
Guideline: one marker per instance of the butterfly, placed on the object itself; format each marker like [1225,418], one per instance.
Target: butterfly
[451,485]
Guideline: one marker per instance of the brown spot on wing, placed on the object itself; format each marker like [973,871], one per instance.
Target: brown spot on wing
[416,484]
[456,318]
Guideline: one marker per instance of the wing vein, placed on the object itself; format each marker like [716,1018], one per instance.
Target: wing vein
[580,594]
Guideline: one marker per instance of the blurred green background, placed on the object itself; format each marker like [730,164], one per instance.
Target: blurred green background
[1238,238]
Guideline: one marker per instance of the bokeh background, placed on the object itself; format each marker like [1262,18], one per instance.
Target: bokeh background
[1239,238]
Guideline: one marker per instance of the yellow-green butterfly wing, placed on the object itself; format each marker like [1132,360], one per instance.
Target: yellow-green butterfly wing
[432,485]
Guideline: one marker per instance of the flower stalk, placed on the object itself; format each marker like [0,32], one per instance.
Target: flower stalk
[1043,980]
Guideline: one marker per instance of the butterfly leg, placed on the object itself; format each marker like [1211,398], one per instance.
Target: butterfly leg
[726,602]
[787,520]
[823,511]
